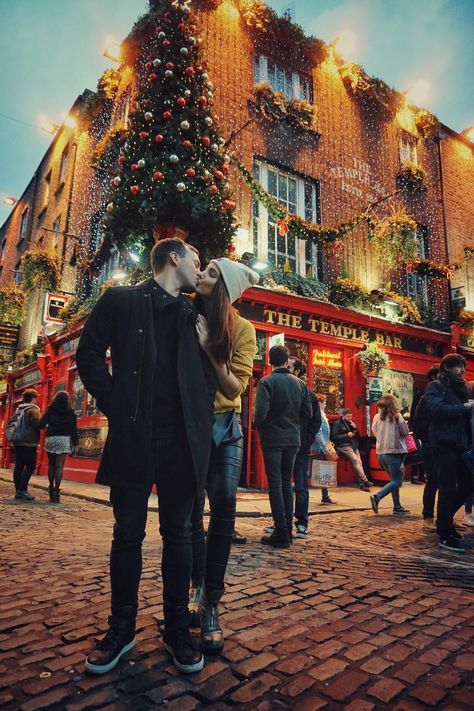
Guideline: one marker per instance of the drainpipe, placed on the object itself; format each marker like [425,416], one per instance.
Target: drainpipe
[439,138]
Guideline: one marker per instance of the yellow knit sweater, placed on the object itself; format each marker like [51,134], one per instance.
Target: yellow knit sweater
[243,353]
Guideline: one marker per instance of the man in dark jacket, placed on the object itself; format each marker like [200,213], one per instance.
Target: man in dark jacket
[159,404]
[449,434]
[26,449]
[345,435]
[308,430]
[281,404]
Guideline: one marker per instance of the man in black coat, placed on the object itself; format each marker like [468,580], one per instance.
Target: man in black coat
[159,403]
[281,404]
[308,431]
[345,435]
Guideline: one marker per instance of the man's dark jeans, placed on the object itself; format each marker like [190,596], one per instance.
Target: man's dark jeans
[300,477]
[25,464]
[176,489]
[279,462]
[431,486]
[454,485]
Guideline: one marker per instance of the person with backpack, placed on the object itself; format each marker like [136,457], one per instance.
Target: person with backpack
[61,437]
[22,431]
[449,432]
[419,422]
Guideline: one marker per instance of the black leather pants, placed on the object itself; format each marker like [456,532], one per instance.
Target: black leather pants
[210,557]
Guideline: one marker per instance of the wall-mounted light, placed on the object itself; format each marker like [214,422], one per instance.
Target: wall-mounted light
[47,125]
[10,201]
[255,263]
[112,52]
[345,44]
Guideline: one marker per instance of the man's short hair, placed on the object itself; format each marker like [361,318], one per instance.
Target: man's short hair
[347,411]
[451,361]
[299,366]
[29,395]
[432,373]
[162,249]
[278,355]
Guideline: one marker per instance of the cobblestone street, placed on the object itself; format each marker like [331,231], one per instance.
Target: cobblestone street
[367,613]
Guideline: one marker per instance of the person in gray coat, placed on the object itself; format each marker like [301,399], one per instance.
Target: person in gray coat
[281,404]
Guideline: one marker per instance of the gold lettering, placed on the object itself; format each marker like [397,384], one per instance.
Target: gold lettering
[364,335]
[296,321]
[269,315]
[379,337]
[397,342]
[284,319]
[313,324]
[347,331]
[325,327]
[336,330]
[388,341]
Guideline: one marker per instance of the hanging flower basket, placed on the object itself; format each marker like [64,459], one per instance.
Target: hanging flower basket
[465,319]
[373,358]
[12,305]
[411,177]
[427,124]
[394,238]
[40,270]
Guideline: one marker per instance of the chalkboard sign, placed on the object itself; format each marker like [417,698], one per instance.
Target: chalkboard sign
[329,382]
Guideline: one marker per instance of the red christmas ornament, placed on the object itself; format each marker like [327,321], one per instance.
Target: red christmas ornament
[190,172]
[152,77]
[169,65]
[181,101]
[214,189]
[158,175]
[167,115]
[158,30]
[202,100]
[187,144]
[134,167]
[111,183]
[143,134]
[166,14]
[181,26]
[232,248]
[148,66]
[159,138]
[166,43]
[190,71]
[121,160]
[229,204]
[134,189]
[225,169]
[206,141]
[218,175]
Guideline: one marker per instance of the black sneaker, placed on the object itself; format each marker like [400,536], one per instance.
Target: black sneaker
[328,500]
[19,495]
[451,544]
[277,540]
[185,650]
[374,502]
[455,534]
[119,640]
[400,510]
[301,530]
[27,496]
[365,487]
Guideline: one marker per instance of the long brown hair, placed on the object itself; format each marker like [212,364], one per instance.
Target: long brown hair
[388,407]
[221,317]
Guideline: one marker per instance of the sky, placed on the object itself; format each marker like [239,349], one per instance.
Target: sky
[51,50]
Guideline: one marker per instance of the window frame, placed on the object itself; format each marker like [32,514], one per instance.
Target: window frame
[56,232]
[407,148]
[63,167]
[23,231]
[298,79]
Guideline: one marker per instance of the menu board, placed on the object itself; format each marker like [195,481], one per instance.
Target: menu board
[329,382]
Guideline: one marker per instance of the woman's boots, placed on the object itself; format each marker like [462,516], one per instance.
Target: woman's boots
[212,637]
[54,492]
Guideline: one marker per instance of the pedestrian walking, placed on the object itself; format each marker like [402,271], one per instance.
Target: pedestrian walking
[320,445]
[419,424]
[308,430]
[159,401]
[450,431]
[230,344]
[390,430]
[22,431]
[61,439]
[281,404]
[345,435]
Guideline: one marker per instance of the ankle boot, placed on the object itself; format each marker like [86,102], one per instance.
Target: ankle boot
[57,491]
[52,498]
[211,637]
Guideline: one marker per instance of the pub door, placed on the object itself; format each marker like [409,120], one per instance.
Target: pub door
[253,469]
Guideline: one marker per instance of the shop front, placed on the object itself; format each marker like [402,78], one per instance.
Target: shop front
[328,338]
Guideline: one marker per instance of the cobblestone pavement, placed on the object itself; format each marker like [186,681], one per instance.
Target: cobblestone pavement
[367,613]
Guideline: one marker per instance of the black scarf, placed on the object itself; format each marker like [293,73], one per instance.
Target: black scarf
[456,383]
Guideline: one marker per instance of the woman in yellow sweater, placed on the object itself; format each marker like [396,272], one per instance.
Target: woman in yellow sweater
[229,341]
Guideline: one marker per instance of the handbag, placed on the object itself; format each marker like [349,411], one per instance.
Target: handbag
[330,454]
[411,443]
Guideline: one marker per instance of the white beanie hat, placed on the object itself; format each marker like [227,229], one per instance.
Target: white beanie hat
[237,277]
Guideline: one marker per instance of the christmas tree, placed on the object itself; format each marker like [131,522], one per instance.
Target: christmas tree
[172,168]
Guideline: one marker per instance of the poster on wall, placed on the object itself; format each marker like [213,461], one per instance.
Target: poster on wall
[400,385]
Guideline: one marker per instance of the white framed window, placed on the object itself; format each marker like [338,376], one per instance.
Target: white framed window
[292,85]
[23,225]
[63,166]
[300,197]
[56,231]
[47,183]
[417,286]
[407,149]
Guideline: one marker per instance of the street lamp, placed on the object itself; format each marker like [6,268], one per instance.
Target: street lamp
[10,201]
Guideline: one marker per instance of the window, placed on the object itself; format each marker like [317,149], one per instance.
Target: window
[300,197]
[23,225]
[56,231]
[63,166]
[407,148]
[292,84]
[417,286]
[110,266]
[17,276]
[4,243]
[47,183]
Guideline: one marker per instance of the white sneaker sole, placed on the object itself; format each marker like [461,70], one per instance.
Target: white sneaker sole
[104,668]
[452,550]
[185,668]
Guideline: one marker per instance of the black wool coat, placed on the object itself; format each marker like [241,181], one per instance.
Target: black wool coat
[449,423]
[123,320]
